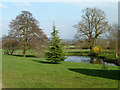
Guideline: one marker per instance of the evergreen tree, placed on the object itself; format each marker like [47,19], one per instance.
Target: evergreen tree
[55,53]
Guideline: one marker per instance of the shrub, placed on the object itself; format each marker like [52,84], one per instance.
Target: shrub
[97,50]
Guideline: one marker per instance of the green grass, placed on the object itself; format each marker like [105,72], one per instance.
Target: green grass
[77,50]
[28,52]
[19,72]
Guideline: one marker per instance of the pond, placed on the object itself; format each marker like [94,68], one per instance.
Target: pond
[87,59]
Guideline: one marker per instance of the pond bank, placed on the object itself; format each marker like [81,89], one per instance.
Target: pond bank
[101,56]
[88,59]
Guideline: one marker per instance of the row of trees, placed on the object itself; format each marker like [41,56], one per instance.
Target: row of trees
[26,34]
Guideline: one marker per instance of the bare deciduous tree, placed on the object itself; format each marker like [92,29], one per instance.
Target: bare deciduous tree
[26,28]
[93,24]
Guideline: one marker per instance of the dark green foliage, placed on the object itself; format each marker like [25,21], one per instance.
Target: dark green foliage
[55,53]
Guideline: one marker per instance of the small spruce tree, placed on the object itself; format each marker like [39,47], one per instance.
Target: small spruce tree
[55,53]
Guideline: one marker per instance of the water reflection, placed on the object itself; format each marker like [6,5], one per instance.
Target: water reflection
[95,60]
[87,59]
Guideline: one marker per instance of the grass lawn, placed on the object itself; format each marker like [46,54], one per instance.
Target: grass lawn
[77,50]
[74,52]
[19,72]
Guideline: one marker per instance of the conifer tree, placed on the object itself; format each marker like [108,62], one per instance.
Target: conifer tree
[55,53]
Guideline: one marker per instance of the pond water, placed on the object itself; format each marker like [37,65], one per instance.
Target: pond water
[87,59]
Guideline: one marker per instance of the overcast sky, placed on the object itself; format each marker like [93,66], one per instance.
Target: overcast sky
[64,14]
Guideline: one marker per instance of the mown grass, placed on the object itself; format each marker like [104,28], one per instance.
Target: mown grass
[19,72]
[77,52]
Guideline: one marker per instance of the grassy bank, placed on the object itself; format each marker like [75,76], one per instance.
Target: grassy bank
[107,55]
[77,52]
[19,72]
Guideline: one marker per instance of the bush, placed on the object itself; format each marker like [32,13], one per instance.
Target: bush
[97,50]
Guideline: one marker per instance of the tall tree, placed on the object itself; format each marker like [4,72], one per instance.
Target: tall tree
[113,38]
[93,24]
[55,53]
[26,28]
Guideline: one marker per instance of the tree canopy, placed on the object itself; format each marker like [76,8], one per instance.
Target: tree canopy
[93,24]
[26,29]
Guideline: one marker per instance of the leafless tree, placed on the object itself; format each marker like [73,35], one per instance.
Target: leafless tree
[26,29]
[93,24]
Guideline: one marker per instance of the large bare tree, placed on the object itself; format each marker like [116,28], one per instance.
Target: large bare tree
[92,25]
[26,28]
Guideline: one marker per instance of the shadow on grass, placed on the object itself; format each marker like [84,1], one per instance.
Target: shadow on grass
[109,74]
[45,62]
[26,55]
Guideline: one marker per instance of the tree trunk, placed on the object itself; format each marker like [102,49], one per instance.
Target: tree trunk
[24,53]
[91,48]
[12,52]
[116,53]
[25,40]
[92,44]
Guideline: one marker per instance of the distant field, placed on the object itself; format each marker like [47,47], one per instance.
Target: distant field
[77,50]
[19,72]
